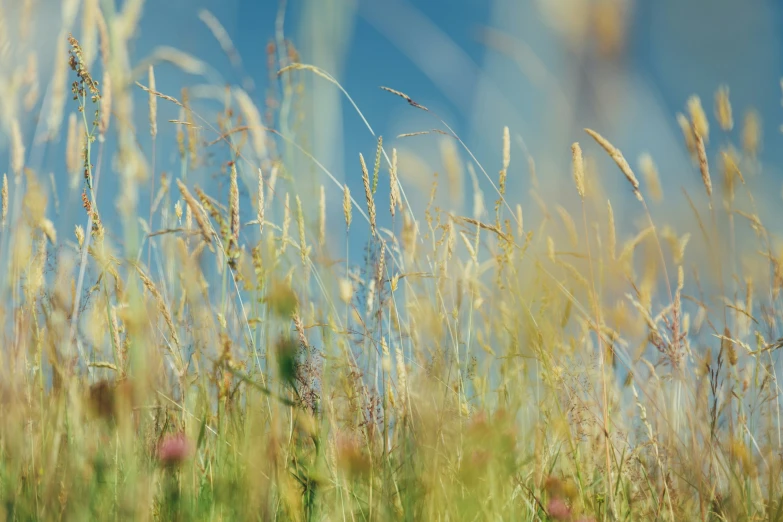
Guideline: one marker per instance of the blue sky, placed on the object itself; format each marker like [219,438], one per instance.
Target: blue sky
[435,50]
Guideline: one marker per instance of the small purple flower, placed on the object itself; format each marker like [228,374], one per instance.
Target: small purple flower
[558,509]
[174,449]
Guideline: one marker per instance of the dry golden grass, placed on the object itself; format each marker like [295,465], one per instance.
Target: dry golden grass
[449,367]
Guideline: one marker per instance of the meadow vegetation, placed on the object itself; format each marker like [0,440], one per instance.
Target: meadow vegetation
[208,355]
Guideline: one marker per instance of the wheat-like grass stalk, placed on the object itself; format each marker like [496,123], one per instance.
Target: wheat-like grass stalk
[152,102]
[368,193]
[195,209]
[579,169]
[394,187]
[619,159]
[164,310]
[704,167]
[347,206]
[723,111]
[701,126]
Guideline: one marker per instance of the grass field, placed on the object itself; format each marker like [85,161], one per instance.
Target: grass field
[198,350]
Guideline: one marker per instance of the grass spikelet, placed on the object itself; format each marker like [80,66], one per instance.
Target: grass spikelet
[579,169]
[195,208]
[701,126]
[47,227]
[550,249]
[469,246]
[727,347]
[164,311]
[751,133]
[78,232]
[651,178]
[520,222]
[406,98]
[394,186]
[17,148]
[485,226]
[347,206]
[731,172]
[619,159]
[687,133]
[377,167]
[115,335]
[704,167]
[152,102]
[322,217]
[368,193]
[723,109]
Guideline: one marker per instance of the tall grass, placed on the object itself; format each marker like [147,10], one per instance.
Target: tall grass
[200,359]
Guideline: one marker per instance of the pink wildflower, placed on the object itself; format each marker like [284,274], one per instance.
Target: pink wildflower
[558,509]
[174,449]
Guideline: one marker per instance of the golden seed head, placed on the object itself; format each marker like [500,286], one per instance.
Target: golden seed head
[619,160]
[394,187]
[698,118]
[153,102]
[368,193]
[579,169]
[347,206]
[723,109]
